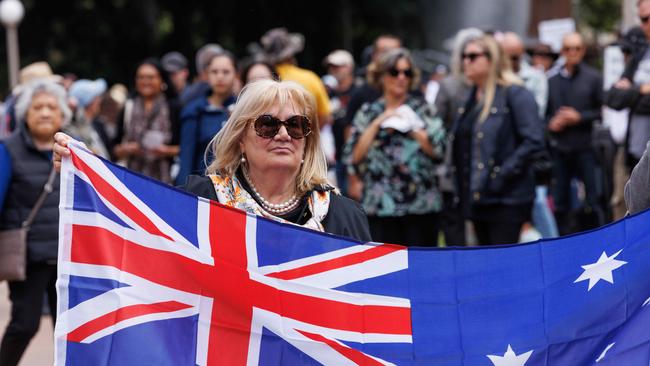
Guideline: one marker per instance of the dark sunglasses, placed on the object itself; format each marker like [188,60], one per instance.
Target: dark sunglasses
[267,126]
[395,72]
[472,56]
[644,19]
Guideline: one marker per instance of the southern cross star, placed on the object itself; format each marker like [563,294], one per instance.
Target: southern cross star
[601,270]
[510,358]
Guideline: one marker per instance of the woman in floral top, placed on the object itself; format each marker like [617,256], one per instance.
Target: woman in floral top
[395,145]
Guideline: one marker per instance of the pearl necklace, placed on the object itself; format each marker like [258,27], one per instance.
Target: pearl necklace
[275,209]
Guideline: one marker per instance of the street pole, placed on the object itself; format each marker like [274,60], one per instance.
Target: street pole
[13,55]
[11,13]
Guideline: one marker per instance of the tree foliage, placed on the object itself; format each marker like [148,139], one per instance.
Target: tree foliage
[107,38]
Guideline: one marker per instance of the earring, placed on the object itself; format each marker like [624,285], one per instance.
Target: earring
[302,161]
[243,159]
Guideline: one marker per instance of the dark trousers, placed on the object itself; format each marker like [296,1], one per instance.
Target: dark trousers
[452,222]
[497,232]
[410,230]
[584,166]
[26,308]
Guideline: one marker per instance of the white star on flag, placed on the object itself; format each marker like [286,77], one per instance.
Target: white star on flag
[510,358]
[602,355]
[601,270]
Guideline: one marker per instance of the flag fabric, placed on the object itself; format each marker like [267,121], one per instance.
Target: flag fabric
[150,275]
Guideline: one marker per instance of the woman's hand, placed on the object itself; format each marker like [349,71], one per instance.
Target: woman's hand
[165,151]
[60,149]
[360,150]
[126,149]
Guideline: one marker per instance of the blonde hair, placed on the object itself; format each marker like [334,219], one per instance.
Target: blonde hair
[499,72]
[255,99]
[387,61]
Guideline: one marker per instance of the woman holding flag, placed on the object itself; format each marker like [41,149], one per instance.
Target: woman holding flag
[268,161]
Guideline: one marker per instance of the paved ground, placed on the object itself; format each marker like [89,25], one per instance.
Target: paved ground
[41,350]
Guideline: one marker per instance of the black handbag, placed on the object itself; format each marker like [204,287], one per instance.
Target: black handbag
[13,242]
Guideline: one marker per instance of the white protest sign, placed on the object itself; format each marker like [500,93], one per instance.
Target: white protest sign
[552,31]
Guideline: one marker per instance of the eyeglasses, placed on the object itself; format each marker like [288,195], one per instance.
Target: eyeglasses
[644,19]
[472,56]
[570,48]
[394,72]
[267,126]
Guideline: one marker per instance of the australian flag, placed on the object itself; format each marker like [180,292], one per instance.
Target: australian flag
[149,275]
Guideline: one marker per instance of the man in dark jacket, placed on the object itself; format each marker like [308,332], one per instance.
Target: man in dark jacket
[633,89]
[575,100]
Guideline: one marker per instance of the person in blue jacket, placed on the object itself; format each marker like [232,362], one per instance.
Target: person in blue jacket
[202,118]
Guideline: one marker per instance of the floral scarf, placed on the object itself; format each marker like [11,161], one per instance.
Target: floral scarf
[231,193]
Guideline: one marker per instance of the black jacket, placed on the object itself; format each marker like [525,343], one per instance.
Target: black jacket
[630,98]
[583,91]
[502,149]
[345,217]
[30,170]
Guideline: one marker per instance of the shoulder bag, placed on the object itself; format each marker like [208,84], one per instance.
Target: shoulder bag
[13,242]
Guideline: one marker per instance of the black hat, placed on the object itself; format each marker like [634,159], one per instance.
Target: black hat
[542,49]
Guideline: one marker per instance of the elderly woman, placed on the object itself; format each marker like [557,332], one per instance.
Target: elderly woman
[493,142]
[268,161]
[26,161]
[203,117]
[147,136]
[395,144]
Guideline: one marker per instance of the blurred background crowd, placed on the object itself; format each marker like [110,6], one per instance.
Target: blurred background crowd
[149,84]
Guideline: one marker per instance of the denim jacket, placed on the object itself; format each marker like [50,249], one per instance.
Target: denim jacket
[502,149]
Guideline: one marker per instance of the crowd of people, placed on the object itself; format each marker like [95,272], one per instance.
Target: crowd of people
[495,145]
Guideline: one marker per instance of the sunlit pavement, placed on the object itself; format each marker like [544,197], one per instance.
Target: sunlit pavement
[41,349]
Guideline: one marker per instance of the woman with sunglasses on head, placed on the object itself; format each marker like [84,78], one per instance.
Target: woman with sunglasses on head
[203,117]
[268,162]
[492,145]
[395,144]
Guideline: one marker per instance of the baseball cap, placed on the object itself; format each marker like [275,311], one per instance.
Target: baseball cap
[84,91]
[173,61]
[339,58]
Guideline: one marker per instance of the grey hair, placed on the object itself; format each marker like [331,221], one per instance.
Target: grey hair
[42,86]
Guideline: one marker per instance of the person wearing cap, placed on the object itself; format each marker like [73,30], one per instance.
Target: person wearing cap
[280,47]
[86,126]
[176,66]
[200,86]
[340,66]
